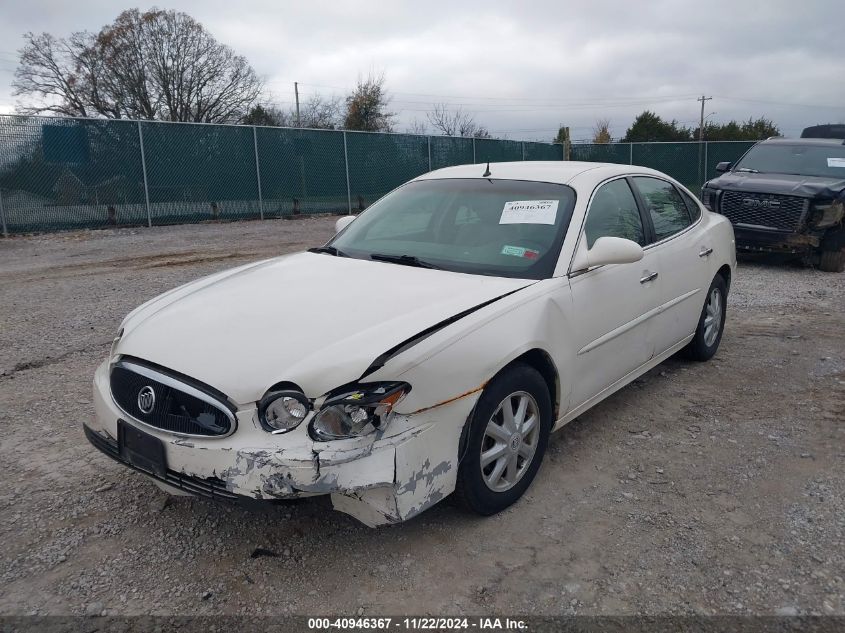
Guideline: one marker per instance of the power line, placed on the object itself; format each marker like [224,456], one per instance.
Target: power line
[473,100]
[498,98]
[782,103]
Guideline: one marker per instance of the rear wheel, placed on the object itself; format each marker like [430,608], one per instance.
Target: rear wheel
[711,323]
[508,434]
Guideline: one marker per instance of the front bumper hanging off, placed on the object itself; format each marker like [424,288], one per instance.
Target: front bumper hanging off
[378,480]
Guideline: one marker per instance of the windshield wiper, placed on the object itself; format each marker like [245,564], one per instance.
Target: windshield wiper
[405,260]
[328,250]
[748,169]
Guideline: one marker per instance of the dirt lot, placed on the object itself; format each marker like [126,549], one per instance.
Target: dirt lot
[705,488]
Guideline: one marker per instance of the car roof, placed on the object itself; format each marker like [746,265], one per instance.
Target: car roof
[558,171]
[821,142]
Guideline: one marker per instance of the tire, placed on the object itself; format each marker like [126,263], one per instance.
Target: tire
[832,261]
[706,341]
[515,385]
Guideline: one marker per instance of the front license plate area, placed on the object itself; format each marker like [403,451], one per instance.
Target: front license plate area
[140,449]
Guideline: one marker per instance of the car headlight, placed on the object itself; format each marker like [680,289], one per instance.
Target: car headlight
[114,343]
[282,411]
[708,197]
[356,410]
[827,213]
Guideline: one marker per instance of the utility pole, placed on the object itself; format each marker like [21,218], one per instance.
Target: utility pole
[296,92]
[702,169]
[703,99]
[567,146]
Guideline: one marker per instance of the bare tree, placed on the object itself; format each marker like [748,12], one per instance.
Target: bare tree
[317,112]
[455,122]
[59,71]
[151,65]
[366,106]
[417,127]
[321,112]
[601,131]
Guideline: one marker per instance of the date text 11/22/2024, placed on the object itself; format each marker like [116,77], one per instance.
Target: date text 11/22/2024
[417,624]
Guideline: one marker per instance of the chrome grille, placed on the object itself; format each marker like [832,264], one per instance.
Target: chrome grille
[783,213]
[175,405]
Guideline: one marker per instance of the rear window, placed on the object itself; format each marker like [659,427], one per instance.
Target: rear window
[668,212]
[692,206]
[800,160]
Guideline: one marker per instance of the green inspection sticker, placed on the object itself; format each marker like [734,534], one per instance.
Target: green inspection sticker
[519,251]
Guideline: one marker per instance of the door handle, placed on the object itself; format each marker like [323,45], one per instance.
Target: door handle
[705,251]
[649,277]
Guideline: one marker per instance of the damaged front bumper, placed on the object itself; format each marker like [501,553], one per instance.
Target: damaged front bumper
[378,479]
[771,241]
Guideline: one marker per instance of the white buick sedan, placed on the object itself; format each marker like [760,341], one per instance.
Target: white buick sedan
[429,349]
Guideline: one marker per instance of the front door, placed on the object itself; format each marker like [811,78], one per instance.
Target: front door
[612,302]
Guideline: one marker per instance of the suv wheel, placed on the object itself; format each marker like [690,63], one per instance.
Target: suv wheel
[832,261]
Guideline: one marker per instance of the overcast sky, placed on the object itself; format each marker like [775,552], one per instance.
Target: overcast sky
[521,68]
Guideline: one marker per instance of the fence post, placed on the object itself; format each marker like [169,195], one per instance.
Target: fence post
[348,188]
[257,172]
[144,169]
[429,153]
[630,153]
[523,150]
[3,215]
[705,164]
[473,149]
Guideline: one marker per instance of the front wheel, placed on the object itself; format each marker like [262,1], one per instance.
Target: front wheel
[832,261]
[711,323]
[507,438]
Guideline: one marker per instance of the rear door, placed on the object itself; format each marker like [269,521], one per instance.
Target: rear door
[682,250]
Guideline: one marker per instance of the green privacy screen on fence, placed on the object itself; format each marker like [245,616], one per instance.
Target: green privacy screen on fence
[689,163]
[60,173]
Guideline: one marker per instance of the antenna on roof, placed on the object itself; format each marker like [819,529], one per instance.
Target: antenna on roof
[486,171]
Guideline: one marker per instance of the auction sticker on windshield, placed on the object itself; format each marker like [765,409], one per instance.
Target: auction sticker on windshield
[529,212]
[836,162]
[518,251]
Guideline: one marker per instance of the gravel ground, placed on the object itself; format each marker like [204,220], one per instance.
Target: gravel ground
[700,488]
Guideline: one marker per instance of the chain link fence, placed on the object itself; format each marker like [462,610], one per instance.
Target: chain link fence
[61,173]
[690,163]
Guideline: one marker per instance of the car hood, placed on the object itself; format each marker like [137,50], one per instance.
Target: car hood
[312,319]
[786,184]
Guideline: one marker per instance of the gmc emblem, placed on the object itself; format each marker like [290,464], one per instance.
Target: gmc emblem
[754,203]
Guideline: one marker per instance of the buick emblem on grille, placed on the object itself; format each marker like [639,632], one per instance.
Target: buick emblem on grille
[755,203]
[146,399]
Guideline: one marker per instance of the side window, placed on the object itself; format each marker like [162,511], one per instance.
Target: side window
[613,213]
[692,206]
[665,206]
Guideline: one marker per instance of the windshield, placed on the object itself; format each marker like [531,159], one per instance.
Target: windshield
[505,228]
[803,160]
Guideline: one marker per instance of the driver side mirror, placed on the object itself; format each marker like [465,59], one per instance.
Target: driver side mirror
[607,250]
[724,166]
[343,222]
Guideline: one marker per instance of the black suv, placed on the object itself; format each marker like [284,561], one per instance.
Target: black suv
[786,196]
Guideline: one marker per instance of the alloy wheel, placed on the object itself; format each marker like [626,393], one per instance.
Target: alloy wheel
[712,317]
[510,441]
